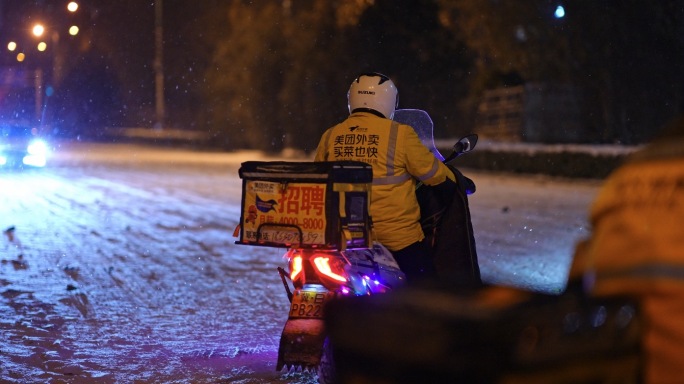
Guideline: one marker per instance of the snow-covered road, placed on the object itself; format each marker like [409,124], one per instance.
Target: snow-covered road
[122,267]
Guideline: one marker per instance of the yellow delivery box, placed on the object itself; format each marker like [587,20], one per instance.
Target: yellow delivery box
[306,204]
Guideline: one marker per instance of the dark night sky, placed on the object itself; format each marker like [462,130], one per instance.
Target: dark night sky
[107,70]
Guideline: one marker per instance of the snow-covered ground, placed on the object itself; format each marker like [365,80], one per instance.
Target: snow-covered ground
[122,268]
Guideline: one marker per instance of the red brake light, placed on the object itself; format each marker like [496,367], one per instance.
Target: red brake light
[323,266]
[296,267]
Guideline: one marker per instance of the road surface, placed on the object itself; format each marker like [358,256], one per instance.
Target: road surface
[118,265]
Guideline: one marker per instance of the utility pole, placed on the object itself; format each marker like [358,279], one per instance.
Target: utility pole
[158,66]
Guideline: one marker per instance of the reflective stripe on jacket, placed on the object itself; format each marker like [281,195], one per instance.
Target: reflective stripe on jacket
[398,158]
[637,248]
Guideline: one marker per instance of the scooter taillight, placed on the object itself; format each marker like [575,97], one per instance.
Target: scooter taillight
[333,269]
[296,268]
[310,266]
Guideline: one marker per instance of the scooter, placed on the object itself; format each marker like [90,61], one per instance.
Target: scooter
[330,249]
[317,277]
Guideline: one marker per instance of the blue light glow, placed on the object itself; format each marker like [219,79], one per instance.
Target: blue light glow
[34,160]
[37,147]
[560,12]
[37,152]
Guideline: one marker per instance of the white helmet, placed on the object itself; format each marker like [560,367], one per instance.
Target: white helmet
[373,91]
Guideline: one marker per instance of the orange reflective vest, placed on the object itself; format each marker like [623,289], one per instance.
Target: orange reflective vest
[637,248]
[398,158]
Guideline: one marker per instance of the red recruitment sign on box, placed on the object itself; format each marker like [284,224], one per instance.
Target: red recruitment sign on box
[306,204]
[297,211]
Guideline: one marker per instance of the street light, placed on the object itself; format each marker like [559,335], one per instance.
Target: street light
[38,30]
[40,52]
[559,13]
[158,65]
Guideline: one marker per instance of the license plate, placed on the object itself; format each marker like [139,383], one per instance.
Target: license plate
[308,304]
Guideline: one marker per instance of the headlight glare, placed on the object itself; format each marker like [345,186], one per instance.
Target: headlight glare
[37,147]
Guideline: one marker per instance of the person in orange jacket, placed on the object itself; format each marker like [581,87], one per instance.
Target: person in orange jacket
[399,159]
[637,248]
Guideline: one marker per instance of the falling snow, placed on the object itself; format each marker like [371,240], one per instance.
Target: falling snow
[118,265]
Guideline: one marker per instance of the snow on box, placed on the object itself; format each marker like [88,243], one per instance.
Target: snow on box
[306,204]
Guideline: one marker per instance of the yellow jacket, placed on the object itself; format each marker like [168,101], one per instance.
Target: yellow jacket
[637,248]
[398,158]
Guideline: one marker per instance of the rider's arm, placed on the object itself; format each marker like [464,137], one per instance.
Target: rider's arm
[422,164]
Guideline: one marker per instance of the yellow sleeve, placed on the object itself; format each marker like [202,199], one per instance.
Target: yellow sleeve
[421,163]
[322,149]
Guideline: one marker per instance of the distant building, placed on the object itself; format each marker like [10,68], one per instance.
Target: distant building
[537,113]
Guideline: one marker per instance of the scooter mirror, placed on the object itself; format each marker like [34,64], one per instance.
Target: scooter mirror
[466,144]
